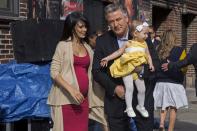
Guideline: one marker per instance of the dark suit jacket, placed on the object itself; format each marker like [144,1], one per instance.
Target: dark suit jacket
[105,45]
[156,43]
[156,62]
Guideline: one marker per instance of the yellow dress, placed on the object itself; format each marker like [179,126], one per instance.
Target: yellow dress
[133,57]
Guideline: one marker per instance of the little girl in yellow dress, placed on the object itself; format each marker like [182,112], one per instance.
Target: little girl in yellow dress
[129,64]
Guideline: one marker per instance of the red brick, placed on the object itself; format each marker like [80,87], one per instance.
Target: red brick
[23,5]
[2,56]
[2,46]
[8,36]
[23,10]
[9,46]
[4,51]
[4,31]
[5,41]
[23,14]
[4,61]
[9,56]
[2,36]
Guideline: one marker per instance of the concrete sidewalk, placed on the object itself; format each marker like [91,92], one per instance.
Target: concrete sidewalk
[187,118]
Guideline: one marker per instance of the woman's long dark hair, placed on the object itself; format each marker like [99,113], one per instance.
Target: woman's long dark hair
[70,22]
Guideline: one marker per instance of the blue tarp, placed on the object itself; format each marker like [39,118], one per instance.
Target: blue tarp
[23,91]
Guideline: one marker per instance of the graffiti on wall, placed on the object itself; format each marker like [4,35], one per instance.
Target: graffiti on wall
[136,10]
[144,15]
[70,6]
[132,8]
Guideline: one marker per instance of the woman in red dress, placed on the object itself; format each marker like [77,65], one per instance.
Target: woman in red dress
[71,72]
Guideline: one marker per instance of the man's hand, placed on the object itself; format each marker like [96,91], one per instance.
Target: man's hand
[120,91]
[164,66]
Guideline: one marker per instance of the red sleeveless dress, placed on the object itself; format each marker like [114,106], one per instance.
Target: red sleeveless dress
[75,117]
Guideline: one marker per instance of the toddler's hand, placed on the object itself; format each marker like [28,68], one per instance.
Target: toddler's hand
[104,62]
[152,68]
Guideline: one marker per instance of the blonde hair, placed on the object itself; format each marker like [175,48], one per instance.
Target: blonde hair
[168,41]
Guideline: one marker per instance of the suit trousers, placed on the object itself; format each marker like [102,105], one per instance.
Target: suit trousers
[118,123]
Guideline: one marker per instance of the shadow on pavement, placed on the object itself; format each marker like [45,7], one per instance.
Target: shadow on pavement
[185,126]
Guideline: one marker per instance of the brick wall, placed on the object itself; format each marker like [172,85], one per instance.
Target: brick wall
[162,18]
[6,48]
[167,18]
[23,8]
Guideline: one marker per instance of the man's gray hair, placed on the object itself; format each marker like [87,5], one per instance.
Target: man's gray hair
[114,7]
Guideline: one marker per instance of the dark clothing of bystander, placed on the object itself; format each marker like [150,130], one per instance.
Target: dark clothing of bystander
[190,59]
[176,75]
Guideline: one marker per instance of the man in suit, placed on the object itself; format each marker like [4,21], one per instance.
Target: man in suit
[155,40]
[114,103]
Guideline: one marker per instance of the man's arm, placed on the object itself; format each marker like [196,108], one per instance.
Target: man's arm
[155,59]
[182,63]
[178,64]
[99,73]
